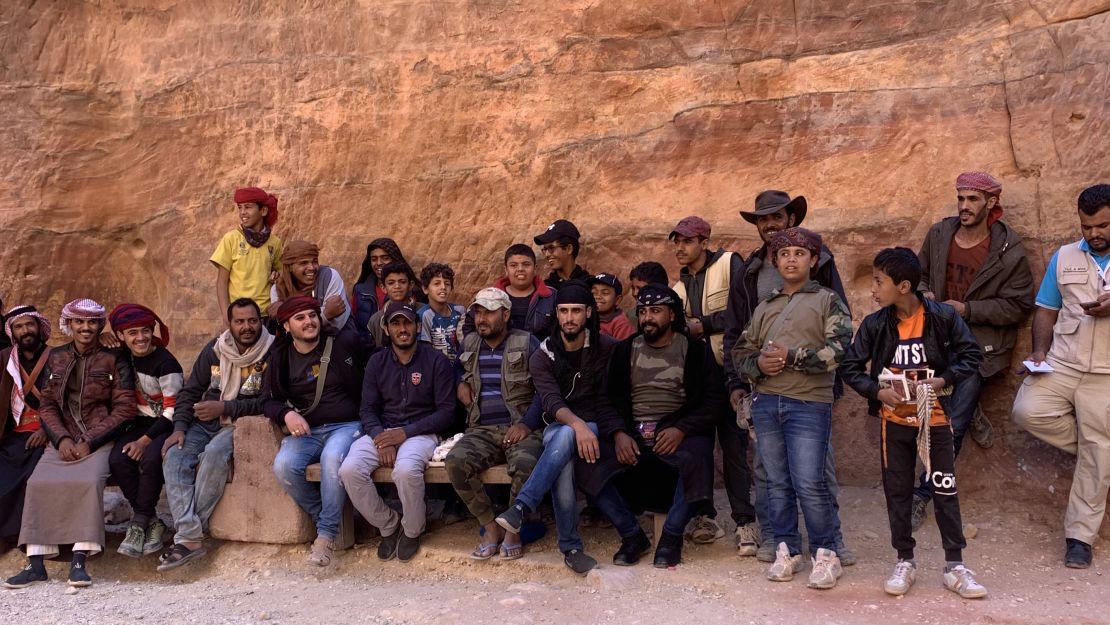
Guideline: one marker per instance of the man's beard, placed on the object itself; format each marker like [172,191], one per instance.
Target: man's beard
[29,342]
[652,332]
[570,336]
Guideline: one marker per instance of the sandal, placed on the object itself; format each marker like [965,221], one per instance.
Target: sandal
[512,552]
[179,556]
[484,551]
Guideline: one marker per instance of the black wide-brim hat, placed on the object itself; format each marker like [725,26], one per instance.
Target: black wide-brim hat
[771,202]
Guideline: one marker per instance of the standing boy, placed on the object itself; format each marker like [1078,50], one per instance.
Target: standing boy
[441,322]
[247,256]
[912,332]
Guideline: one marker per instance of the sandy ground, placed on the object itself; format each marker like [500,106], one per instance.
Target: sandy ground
[1016,553]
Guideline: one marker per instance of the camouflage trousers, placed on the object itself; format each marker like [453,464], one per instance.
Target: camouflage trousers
[479,449]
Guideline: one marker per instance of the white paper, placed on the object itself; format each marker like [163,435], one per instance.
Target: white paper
[1044,367]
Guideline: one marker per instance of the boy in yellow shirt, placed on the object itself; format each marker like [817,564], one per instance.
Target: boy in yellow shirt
[247,256]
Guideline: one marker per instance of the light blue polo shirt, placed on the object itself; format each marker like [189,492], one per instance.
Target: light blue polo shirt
[1049,294]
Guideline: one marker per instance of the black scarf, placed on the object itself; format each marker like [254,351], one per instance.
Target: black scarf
[257,238]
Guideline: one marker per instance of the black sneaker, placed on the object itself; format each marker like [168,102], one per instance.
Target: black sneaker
[669,551]
[1078,554]
[387,548]
[511,519]
[577,561]
[918,513]
[632,549]
[407,547]
[25,578]
[78,576]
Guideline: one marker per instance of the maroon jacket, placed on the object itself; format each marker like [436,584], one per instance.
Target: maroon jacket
[107,396]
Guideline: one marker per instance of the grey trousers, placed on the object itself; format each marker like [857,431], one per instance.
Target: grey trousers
[408,476]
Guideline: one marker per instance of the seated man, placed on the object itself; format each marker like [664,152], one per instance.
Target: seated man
[313,384]
[22,439]
[89,398]
[568,371]
[667,388]
[503,416]
[302,274]
[226,383]
[407,398]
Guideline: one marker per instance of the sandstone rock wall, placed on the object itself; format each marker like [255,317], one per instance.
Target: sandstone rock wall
[460,127]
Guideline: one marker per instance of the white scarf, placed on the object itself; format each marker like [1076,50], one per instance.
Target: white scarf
[232,362]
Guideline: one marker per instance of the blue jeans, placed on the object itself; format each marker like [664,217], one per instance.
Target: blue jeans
[555,472]
[196,476]
[613,506]
[762,515]
[328,445]
[960,407]
[793,440]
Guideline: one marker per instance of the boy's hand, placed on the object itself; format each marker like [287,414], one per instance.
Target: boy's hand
[891,397]
[938,384]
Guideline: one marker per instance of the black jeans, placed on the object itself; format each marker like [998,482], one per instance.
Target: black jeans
[899,457]
[960,407]
[141,481]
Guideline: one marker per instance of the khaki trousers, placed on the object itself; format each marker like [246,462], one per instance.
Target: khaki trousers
[1070,410]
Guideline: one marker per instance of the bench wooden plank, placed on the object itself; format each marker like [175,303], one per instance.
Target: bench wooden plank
[498,474]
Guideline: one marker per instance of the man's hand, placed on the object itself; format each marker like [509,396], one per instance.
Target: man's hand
[516,434]
[694,325]
[735,397]
[929,295]
[627,449]
[465,394]
[208,410]
[1103,308]
[136,448]
[891,397]
[333,307]
[67,450]
[109,340]
[387,456]
[959,306]
[81,450]
[390,438]
[588,448]
[177,438]
[297,425]
[38,439]
[667,441]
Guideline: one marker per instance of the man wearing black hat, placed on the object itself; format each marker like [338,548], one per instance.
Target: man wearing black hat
[408,397]
[560,245]
[703,285]
[568,371]
[774,211]
[666,386]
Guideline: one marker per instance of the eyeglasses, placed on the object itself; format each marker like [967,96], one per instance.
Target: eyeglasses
[551,247]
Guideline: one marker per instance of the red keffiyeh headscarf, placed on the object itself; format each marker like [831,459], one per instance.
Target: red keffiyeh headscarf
[258,196]
[982,181]
[127,316]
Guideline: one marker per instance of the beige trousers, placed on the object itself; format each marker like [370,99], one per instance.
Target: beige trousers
[1070,409]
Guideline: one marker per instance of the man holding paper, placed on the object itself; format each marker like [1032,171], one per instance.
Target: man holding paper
[1071,333]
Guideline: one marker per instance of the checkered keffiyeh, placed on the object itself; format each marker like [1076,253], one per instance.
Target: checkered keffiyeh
[979,181]
[80,309]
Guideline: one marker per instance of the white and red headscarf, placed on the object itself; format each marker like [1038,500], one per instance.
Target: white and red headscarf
[80,309]
[986,183]
[18,402]
[26,310]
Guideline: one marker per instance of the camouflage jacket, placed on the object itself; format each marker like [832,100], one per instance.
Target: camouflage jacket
[817,332]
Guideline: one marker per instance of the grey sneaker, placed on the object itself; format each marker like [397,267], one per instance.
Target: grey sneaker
[155,537]
[826,570]
[919,512]
[846,555]
[981,430]
[899,582]
[961,580]
[132,545]
[703,530]
[766,551]
[747,539]
[320,553]
[785,565]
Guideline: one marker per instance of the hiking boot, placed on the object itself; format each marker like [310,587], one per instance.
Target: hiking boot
[669,551]
[1077,555]
[577,561]
[407,547]
[961,580]
[132,545]
[785,565]
[155,537]
[320,553]
[766,551]
[510,520]
[826,570]
[387,548]
[919,512]
[747,539]
[704,530]
[78,575]
[846,555]
[632,549]
[981,430]
[29,575]
[899,582]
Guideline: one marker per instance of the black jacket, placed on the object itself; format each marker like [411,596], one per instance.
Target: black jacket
[199,388]
[950,349]
[348,360]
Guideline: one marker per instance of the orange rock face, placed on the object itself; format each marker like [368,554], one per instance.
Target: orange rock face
[461,127]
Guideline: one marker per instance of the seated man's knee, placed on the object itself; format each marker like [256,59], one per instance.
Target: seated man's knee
[409,471]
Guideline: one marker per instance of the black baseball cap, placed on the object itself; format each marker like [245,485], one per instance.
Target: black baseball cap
[560,229]
[607,279]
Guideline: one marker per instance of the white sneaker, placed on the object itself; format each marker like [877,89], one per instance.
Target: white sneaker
[747,539]
[826,570]
[899,582]
[961,580]
[785,565]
